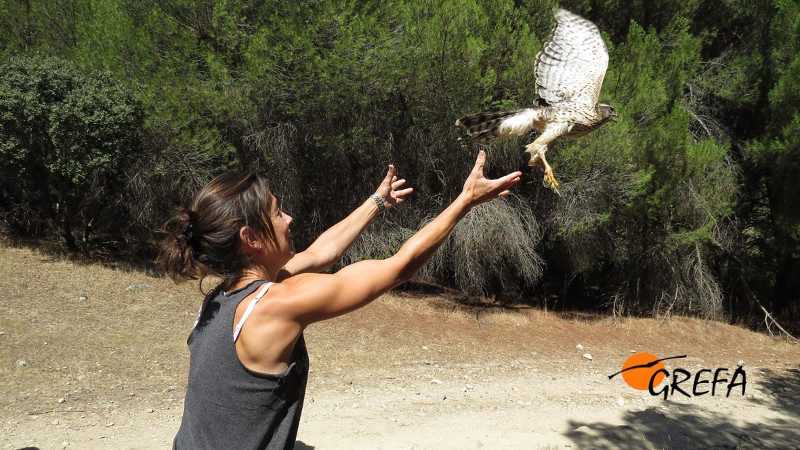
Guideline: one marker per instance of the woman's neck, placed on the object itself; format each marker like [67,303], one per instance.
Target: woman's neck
[248,276]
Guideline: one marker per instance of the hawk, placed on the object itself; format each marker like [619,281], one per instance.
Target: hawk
[569,74]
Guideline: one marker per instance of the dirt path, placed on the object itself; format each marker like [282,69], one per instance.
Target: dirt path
[93,357]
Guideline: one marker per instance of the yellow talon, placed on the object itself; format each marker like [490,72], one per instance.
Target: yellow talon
[537,159]
[550,179]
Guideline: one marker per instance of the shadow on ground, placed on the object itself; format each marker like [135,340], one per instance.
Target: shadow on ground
[689,426]
[782,391]
[136,256]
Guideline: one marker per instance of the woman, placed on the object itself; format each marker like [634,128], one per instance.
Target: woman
[248,365]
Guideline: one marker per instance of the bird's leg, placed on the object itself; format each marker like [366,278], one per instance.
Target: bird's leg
[537,159]
[536,152]
[548,175]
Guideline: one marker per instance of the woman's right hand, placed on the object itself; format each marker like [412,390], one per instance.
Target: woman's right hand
[479,189]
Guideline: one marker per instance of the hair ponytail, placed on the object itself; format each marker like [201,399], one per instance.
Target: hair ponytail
[177,254]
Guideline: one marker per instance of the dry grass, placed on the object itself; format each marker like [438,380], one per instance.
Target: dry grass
[86,331]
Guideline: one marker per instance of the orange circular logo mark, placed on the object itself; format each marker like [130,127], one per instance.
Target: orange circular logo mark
[638,370]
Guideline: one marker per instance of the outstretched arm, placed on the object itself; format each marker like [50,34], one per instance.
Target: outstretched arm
[314,297]
[331,245]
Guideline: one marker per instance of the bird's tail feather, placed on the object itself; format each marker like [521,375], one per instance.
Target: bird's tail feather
[484,126]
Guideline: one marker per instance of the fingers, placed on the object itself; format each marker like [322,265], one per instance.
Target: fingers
[511,178]
[391,189]
[480,162]
[389,175]
[504,183]
[401,195]
[482,189]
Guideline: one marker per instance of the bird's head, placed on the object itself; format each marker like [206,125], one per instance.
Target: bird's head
[608,112]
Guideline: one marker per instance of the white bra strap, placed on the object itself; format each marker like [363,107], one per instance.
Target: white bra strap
[249,310]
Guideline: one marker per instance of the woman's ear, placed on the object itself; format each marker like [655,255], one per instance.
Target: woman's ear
[249,239]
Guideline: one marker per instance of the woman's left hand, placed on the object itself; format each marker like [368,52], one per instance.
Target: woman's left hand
[389,191]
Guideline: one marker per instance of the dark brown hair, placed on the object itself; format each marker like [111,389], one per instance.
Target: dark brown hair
[204,239]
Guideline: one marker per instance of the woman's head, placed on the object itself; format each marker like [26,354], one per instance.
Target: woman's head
[205,238]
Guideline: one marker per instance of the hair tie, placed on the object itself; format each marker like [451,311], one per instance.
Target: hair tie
[188,232]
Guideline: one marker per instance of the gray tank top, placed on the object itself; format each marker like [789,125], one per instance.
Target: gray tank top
[228,405]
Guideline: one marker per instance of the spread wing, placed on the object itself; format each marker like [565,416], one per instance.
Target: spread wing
[573,63]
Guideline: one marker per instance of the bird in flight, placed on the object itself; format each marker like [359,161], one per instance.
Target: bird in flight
[569,75]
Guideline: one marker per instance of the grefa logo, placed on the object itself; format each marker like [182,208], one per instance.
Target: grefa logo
[645,372]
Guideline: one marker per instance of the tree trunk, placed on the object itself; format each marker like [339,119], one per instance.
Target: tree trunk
[66,229]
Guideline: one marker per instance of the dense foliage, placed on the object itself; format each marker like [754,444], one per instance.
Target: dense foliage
[686,204]
[64,140]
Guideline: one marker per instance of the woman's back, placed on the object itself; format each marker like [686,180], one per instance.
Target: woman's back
[228,405]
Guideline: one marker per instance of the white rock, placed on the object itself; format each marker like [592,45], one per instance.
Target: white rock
[436,381]
[741,363]
[138,286]
[621,401]
[579,347]
[588,356]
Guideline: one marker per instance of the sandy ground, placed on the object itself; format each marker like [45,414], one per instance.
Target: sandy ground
[94,356]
